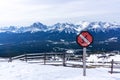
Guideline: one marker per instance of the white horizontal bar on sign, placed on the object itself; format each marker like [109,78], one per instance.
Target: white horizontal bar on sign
[84,39]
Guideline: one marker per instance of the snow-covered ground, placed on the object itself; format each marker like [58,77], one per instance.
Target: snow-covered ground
[95,58]
[18,70]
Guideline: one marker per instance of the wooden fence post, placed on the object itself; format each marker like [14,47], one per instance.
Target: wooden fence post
[44,58]
[10,59]
[26,57]
[112,62]
[54,57]
[64,57]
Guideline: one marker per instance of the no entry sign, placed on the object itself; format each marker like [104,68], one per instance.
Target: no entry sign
[84,39]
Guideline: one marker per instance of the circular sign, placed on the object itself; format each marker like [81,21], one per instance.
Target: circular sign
[84,39]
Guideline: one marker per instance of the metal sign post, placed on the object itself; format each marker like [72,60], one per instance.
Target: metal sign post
[84,61]
[84,39]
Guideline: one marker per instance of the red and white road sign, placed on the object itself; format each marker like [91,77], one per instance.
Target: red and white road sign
[84,39]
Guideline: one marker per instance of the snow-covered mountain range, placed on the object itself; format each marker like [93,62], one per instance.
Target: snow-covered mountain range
[59,37]
[62,27]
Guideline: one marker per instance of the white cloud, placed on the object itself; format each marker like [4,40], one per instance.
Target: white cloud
[24,12]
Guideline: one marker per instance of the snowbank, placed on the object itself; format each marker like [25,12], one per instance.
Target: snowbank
[101,58]
[18,70]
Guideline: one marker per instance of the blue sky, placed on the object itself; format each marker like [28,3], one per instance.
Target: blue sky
[25,12]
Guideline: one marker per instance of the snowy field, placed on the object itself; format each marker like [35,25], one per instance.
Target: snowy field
[18,70]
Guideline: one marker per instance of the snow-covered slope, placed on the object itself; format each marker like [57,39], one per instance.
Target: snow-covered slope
[35,27]
[24,71]
[66,27]
[9,29]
